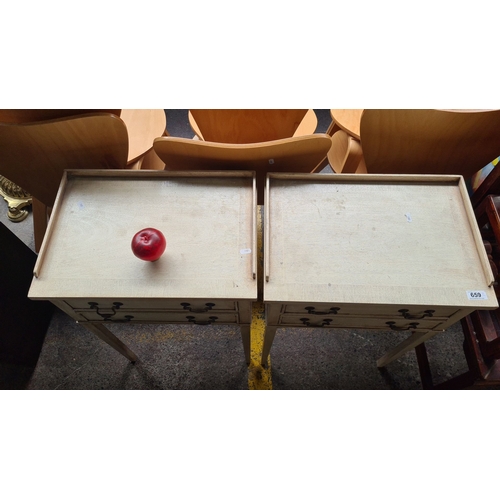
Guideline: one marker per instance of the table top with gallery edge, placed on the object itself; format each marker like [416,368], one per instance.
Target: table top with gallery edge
[374,239]
[208,219]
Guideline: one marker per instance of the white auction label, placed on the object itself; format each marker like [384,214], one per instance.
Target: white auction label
[476,295]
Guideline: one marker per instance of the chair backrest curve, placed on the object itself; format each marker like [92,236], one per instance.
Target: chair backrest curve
[34,155]
[246,126]
[36,115]
[429,141]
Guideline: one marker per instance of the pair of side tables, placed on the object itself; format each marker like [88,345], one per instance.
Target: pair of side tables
[384,252]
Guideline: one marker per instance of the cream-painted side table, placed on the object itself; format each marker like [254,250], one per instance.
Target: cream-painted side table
[207,274]
[382,252]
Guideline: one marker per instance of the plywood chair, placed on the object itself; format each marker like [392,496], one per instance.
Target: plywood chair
[420,141]
[245,126]
[37,115]
[429,141]
[295,154]
[143,126]
[34,155]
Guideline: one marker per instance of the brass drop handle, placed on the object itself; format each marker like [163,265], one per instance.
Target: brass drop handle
[306,322]
[193,320]
[311,310]
[109,316]
[425,314]
[187,307]
[411,326]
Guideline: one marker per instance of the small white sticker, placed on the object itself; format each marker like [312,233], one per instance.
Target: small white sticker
[476,295]
[245,250]
[408,217]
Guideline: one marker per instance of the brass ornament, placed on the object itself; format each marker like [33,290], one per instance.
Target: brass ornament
[16,198]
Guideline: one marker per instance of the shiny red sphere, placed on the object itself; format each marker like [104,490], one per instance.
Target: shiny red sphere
[149,244]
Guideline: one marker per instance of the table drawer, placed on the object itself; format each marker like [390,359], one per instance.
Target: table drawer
[362,322]
[410,312]
[180,305]
[142,316]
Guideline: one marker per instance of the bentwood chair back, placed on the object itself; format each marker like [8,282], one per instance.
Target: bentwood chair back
[36,115]
[429,141]
[418,141]
[245,126]
[143,126]
[295,154]
[35,155]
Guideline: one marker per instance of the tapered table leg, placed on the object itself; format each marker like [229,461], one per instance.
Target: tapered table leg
[245,337]
[104,334]
[268,342]
[416,338]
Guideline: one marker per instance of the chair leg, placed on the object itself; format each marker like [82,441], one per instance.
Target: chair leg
[424,367]
[461,381]
[475,360]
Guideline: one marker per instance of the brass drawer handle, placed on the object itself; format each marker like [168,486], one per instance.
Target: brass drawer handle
[411,326]
[306,322]
[187,307]
[311,310]
[109,316]
[426,314]
[193,320]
